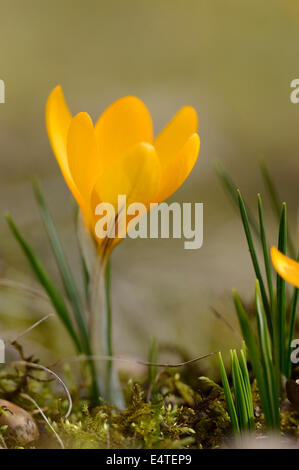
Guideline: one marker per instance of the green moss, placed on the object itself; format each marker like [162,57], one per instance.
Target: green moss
[178,417]
[171,414]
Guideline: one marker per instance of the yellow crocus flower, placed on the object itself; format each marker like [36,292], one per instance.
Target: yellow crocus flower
[119,155]
[286,267]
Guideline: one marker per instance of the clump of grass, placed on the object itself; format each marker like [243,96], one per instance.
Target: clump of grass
[241,407]
[261,357]
[269,350]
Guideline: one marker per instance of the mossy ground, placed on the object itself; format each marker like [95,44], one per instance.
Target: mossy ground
[173,412]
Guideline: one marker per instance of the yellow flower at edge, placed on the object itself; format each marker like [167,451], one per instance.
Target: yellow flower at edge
[119,155]
[286,267]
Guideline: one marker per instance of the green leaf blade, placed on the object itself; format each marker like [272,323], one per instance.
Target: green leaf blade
[63,266]
[44,279]
[281,294]
[254,356]
[272,381]
[254,258]
[275,200]
[240,392]
[265,251]
[228,396]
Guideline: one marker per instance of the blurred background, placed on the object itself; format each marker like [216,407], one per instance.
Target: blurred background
[233,61]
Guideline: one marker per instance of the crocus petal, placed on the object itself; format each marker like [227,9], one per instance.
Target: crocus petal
[173,137]
[136,175]
[179,168]
[83,158]
[58,119]
[124,124]
[287,268]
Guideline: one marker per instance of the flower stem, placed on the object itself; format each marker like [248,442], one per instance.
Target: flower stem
[108,325]
[102,335]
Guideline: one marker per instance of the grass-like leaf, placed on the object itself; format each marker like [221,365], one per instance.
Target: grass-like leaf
[240,406]
[63,266]
[254,355]
[275,200]
[240,392]
[228,396]
[68,282]
[254,258]
[231,188]
[245,374]
[271,381]
[273,193]
[265,251]
[281,293]
[44,279]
